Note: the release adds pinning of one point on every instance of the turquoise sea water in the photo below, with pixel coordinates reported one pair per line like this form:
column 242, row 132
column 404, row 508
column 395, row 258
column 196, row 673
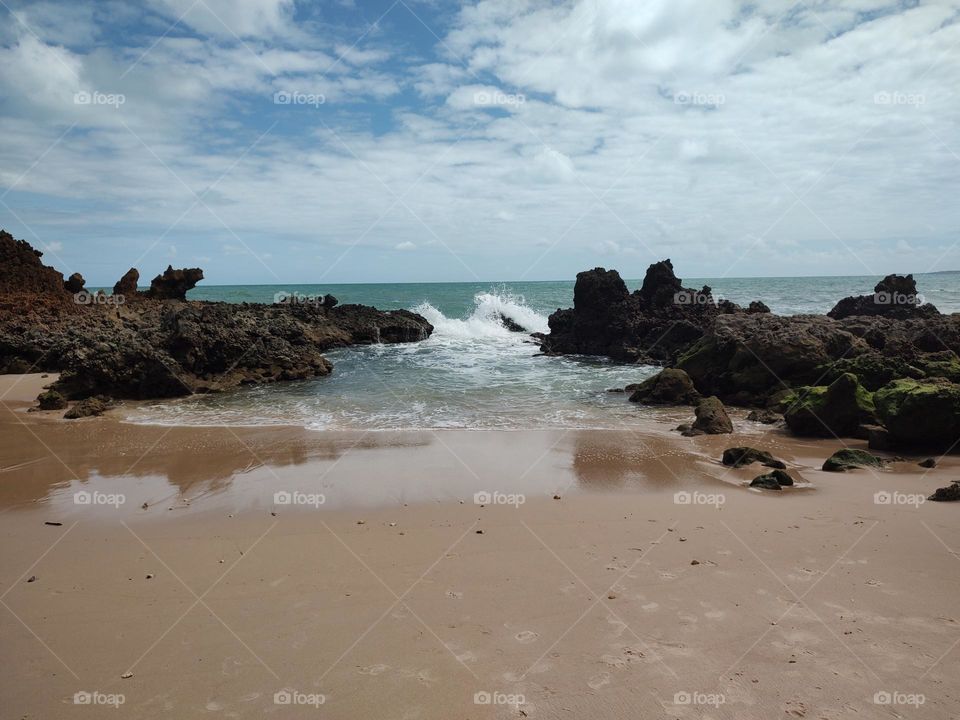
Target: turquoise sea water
column 473, row 373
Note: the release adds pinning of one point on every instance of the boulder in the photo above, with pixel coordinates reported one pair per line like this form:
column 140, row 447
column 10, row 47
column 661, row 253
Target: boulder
column 849, row 459
column 329, row 301
column 89, row 407
column 878, row 437
column 738, row 457
column 712, row 418
column 127, row 285
column 951, row 493
column 838, row 409
column 920, row 412
column 928, row 463
column 773, row 480
column 51, row 400
column 668, row 387
column 74, row 283
column 174, row 284
column 757, row 307
column 894, row 296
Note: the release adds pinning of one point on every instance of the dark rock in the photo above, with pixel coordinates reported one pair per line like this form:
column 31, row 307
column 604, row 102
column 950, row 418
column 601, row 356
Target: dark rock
column 712, row 418
column 835, row 410
column 757, row 307
column 22, row 272
column 849, row 459
column 767, row 417
column 738, row 457
column 920, row 412
column 174, row 284
column 87, row 408
column 74, row 283
column 668, row 387
column 894, row 296
column 329, row 301
column 951, row 493
column 51, row 400
column 928, row 463
column 878, row 437
column 127, row 285
column 510, row 324
column 773, row 480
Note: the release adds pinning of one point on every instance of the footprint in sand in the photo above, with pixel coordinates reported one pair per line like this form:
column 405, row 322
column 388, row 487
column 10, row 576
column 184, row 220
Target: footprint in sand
column 373, row 669
column 598, row 681
column 454, row 595
column 650, row 606
column 527, row 636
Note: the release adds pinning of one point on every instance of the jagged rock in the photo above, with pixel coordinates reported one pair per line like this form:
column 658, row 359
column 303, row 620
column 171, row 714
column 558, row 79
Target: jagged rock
column 652, row 324
column 174, row 284
column 920, row 412
column 712, row 418
column 849, row 459
column 738, row 457
column 87, row 408
column 21, row 271
column 74, row 283
column 767, row 417
column 157, row 348
column 667, row 387
column 757, row 307
column 951, row 493
column 825, row 411
column 772, row 480
column 329, row 301
column 51, row 400
column 510, row 324
column 894, row 296
column 127, row 285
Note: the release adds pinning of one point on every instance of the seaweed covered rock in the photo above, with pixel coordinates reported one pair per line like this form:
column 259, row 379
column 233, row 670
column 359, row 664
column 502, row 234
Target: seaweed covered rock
column 668, row 387
column 838, row 409
column 90, row 407
column 51, row 400
column 920, row 412
column 850, row 459
column 773, row 480
column 738, row 457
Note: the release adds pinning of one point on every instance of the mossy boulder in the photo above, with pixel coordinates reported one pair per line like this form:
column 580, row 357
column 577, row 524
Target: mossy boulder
column 872, row 369
column 849, row 459
column 668, row 387
column 51, row 400
column 773, row 480
column 741, row 456
column 943, row 364
column 920, row 412
column 91, row 407
column 837, row 409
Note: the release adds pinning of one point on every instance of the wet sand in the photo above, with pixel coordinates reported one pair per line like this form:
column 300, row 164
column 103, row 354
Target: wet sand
column 658, row 585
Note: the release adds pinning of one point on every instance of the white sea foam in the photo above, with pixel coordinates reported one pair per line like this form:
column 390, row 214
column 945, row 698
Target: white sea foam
column 484, row 321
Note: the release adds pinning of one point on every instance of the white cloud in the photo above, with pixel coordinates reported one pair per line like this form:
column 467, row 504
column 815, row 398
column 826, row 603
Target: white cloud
column 405, row 245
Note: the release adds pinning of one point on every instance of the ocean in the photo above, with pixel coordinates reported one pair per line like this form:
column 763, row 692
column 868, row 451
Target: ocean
column 473, row 373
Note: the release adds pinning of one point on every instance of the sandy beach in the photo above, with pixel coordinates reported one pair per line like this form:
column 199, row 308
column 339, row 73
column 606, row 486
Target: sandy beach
column 231, row 572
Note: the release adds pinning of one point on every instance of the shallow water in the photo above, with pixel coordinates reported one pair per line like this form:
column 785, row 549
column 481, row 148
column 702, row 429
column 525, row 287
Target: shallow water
column 472, row 372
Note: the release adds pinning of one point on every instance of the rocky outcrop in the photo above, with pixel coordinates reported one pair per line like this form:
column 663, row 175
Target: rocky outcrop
column 127, row 285
column 920, row 412
column 651, row 324
column 951, row 493
column 836, row 410
column 174, row 284
column 668, row 387
column 21, row 271
column 849, row 459
column 51, row 400
column 156, row 348
column 91, row 407
column 895, row 296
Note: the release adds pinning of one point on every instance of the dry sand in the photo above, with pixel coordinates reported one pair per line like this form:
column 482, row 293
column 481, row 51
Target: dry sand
column 399, row 597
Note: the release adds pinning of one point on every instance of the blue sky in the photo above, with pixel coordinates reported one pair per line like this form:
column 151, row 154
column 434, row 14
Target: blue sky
column 277, row 141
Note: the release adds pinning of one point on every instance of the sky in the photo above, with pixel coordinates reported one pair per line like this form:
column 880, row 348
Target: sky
column 284, row 141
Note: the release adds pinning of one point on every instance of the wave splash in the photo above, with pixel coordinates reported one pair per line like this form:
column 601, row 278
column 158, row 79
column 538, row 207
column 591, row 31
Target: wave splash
column 485, row 322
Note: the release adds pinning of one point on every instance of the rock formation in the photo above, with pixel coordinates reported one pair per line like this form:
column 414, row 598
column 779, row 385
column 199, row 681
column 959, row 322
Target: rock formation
column 174, row 284
column 895, row 296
